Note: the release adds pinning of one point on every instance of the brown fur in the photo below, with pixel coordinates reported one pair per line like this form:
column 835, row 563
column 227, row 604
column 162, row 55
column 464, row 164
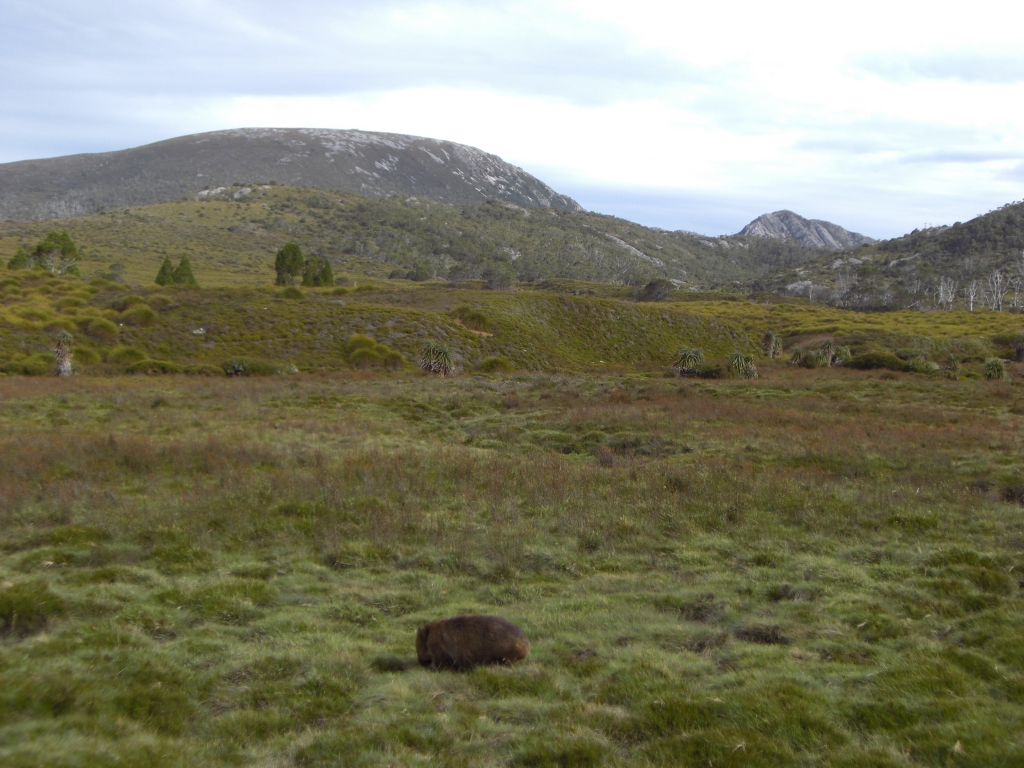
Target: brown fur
column 463, row 642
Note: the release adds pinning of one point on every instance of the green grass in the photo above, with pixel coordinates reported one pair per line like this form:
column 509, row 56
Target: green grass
column 818, row 567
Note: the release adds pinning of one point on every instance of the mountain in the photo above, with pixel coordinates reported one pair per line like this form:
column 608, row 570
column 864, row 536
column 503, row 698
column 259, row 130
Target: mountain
column 962, row 265
column 371, row 164
column 786, row 225
column 232, row 234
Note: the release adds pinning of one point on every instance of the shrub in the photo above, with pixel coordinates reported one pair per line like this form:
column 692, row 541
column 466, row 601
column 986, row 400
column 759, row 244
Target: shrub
column 496, row 365
column 995, row 370
column 656, row 290
column 20, row 260
column 473, row 319
column 436, row 357
column 203, row 369
column 363, row 352
column 871, row 360
column 139, row 314
column 291, row 292
column 1018, row 347
column 98, row 328
column 87, row 356
column 125, row 355
column 37, row 365
column 127, row 301
column 288, row 264
column 26, row 607
column 317, row 273
column 153, row 367
column 499, row 277
column 243, row 366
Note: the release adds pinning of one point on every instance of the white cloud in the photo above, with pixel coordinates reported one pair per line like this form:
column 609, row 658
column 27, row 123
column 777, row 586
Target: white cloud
column 879, row 116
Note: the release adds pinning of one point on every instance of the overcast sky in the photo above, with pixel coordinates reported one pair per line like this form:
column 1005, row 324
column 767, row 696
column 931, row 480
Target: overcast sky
column 881, row 117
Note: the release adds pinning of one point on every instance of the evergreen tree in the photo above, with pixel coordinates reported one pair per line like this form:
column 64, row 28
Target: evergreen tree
column 317, row 273
column 166, row 274
column 57, row 253
column 183, row 274
column 20, row 260
column 289, row 264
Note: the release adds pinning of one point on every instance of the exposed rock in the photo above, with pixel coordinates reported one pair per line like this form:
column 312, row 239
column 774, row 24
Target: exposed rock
column 786, row 225
column 374, row 164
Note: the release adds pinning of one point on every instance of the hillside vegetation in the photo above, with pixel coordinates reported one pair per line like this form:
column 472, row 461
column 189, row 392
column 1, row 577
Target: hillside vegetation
column 977, row 263
column 231, row 239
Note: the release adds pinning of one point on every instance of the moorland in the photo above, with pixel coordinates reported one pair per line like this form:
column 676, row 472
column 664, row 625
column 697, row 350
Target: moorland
column 218, row 539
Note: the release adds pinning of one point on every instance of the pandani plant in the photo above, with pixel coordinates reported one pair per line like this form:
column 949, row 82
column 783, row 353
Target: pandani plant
column 742, row 365
column 436, row 358
column 687, row 360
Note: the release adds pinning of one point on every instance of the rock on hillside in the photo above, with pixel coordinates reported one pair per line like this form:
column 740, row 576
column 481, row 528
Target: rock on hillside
column 786, row 225
column 373, row 164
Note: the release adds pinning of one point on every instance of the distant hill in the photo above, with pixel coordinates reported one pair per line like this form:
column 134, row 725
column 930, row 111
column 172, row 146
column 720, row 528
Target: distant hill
column 925, row 269
column 232, row 234
column 371, row 164
column 786, row 225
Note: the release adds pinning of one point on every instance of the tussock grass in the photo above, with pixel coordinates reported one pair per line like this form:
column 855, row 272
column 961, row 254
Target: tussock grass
column 815, row 567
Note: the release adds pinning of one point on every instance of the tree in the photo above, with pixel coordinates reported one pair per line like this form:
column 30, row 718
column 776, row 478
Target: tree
column 288, row 264
column 971, row 293
column 499, row 277
column 317, row 273
column 62, row 353
column 20, row 260
column 166, row 274
column 57, row 253
column 183, row 274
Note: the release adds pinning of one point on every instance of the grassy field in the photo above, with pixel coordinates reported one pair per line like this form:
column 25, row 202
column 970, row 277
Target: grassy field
column 818, row 567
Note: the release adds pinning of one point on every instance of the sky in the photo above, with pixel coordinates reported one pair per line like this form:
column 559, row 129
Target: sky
column 879, row 116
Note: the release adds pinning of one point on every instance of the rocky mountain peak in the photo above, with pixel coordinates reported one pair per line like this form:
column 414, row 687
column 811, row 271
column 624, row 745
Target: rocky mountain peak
column 786, row 225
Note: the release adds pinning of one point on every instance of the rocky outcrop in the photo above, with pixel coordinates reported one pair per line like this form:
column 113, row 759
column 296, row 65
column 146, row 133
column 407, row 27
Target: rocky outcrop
column 373, row 164
column 786, row 225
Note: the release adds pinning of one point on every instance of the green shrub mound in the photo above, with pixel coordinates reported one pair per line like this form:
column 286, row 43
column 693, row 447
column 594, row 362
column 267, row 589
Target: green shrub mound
column 141, row 315
column 496, row 365
column 245, row 366
column 875, row 359
column 291, row 292
column 364, row 352
column 154, row 367
column 35, row 365
column 87, row 356
column 473, row 319
column 99, row 329
column 204, row 370
column 125, row 355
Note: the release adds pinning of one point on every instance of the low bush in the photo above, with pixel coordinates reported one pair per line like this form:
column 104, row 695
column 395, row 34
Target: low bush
column 98, row 329
column 203, row 370
column 86, row 356
column 871, row 360
column 473, row 319
column 495, row 365
column 244, row 366
column 291, row 292
column 125, row 355
column 36, row 365
column 153, row 367
column 139, row 314
column 362, row 351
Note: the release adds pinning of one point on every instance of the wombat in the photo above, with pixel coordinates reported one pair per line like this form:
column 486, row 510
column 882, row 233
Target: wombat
column 462, row 642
